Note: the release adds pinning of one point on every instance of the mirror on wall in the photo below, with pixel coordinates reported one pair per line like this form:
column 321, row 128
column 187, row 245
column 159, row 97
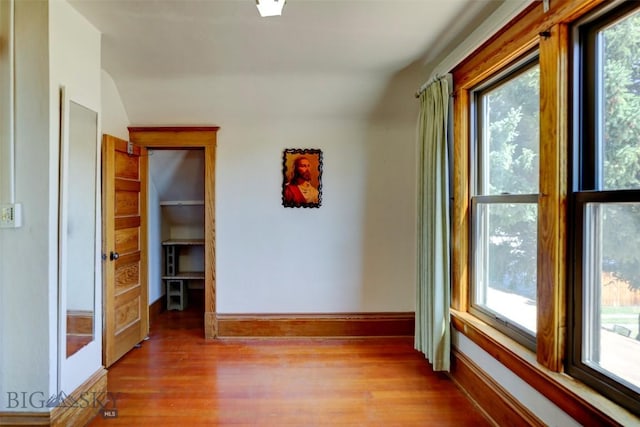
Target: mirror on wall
column 78, row 191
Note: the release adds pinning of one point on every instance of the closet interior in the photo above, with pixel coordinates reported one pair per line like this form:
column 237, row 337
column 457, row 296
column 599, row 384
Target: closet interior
column 176, row 227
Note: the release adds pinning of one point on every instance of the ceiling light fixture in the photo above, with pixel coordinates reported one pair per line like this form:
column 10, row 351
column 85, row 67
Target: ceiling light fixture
column 270, row 7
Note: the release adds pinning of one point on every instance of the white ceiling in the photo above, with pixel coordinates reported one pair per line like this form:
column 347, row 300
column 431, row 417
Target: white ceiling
column 211, row 61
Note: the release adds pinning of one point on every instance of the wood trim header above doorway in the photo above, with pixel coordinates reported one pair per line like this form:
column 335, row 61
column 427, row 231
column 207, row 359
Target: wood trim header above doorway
column 174, row 137
column 184, row 138
column 173, row 128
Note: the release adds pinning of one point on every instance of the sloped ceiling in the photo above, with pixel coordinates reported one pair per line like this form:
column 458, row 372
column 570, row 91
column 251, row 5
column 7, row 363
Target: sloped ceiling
column 217, row 62
column 177, row 176
column 181, row 62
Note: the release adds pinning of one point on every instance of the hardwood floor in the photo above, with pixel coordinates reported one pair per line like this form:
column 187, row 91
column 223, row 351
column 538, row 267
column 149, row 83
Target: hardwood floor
column 178, row 378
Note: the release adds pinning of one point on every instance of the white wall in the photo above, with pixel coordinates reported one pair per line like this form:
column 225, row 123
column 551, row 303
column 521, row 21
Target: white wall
column 54, row 46
column 74, row 46
column 27, row 315
column 6, row 101
column 114, row 115
column 356, row 253
column 154, row 258
column 6, row 87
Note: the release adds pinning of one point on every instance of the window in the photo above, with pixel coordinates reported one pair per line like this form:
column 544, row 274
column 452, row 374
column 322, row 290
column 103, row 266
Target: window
column 605, row 202
column 504, row 202
column 586, row 203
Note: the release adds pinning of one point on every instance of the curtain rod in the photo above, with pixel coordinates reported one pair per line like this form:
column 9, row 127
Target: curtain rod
column 498, row 19
column 428, row 83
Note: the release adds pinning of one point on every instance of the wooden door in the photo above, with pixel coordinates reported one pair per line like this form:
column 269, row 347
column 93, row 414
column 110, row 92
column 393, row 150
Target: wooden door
column 124, row 205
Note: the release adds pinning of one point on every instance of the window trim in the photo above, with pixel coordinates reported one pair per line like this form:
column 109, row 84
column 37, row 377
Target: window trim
column 480, row 194
column 546, row 33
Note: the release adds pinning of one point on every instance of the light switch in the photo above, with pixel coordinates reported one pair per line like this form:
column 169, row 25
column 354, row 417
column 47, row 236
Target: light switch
column 10, row 215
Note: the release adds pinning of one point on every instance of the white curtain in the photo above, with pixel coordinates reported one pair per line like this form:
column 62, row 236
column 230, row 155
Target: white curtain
column 432, row 335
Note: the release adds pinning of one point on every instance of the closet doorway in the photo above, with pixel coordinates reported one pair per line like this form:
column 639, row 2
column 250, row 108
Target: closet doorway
column 199, row 242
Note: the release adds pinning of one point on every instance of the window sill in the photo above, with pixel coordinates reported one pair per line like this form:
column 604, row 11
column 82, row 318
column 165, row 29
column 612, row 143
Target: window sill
column 576, row 399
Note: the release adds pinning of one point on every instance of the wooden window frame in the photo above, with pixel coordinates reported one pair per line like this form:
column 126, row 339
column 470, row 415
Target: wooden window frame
column 548, row 32
column 585, row 190
column 480, row 196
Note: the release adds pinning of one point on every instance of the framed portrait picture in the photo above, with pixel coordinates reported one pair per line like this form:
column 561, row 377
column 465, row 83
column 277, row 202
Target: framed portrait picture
column 302, row 178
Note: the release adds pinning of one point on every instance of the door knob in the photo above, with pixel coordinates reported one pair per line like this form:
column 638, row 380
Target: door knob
column 114, row 255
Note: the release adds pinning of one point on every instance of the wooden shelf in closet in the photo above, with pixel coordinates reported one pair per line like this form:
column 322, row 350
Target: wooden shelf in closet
column 175, row 279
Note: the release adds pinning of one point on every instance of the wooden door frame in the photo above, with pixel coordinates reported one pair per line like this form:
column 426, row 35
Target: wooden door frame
column 195, row 138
